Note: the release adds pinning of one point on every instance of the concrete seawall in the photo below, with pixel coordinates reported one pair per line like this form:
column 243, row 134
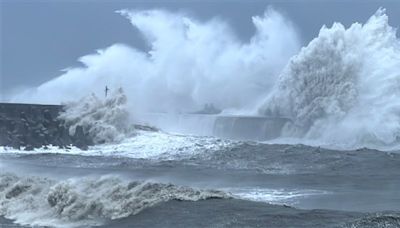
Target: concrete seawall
column 256, row 128
column 249, row 127
column 31, row 126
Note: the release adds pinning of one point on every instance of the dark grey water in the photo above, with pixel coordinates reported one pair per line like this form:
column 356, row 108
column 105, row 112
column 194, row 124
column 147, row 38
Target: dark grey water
column 307, row 186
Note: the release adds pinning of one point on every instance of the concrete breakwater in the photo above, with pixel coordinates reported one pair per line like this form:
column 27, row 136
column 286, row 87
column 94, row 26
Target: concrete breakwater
column 254, row 128
column 30, row 126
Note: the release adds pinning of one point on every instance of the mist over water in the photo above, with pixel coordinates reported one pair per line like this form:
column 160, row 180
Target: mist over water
column 342, row 88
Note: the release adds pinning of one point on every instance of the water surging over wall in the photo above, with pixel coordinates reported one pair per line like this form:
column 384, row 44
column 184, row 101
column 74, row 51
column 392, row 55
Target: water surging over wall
column 104, row 121
column 344, row 87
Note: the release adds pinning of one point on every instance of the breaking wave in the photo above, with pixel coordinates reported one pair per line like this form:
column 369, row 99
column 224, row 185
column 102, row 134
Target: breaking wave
column 104, row 121
column 74, row 202
column 344, row 87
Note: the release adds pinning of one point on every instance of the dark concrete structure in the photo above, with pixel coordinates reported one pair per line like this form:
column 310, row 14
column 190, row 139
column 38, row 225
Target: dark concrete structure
column 32, row 126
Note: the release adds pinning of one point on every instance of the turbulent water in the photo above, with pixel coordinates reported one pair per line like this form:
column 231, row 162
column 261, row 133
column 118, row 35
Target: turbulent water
column 85, row 201
column 340, row 91
column 162, row 180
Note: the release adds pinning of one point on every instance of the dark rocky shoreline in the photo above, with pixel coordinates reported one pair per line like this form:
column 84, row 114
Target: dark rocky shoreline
column 30, row 126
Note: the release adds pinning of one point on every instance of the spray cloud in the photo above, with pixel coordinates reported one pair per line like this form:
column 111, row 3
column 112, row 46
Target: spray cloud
column 344, row 87
column 190, row 63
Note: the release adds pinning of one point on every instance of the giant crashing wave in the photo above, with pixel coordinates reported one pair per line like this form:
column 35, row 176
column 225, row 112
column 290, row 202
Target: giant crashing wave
column 85, row 201
column 344, row 87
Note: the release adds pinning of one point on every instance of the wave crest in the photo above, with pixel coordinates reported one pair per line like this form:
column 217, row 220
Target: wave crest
column 85, row 201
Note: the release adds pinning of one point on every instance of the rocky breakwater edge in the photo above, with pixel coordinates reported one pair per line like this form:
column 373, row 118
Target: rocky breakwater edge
column 80, row 124
column 29, row 126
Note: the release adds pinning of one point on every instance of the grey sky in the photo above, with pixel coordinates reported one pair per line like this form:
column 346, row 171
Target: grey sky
column 39, row 38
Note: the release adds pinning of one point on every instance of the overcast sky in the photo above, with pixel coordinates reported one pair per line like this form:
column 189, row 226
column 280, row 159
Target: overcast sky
column 40, row 38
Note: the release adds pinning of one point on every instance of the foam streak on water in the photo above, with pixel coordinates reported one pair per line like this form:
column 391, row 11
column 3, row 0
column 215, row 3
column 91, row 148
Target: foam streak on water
column 274, row 196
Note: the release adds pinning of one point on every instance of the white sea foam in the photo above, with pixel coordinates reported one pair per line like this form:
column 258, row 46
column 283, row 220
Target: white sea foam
column 273, row 196
column 82, row 202
column 146, row 144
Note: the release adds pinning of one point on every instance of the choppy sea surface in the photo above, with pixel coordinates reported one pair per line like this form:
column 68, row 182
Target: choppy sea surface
column 163, row 180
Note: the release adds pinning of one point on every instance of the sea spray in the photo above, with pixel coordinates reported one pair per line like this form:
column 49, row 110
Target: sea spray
column 103, row 120
column 190, row 63
column 344, row 87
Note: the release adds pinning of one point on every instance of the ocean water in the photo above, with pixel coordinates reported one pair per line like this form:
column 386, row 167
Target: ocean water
column 336, row 163
column 158, row 179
